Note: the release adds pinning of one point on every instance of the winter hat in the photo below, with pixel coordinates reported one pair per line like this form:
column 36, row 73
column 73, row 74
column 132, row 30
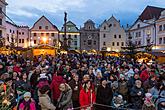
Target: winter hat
column 147, row 95
column 27, row 94
column 102, row 79
column 114, row 85
column 122, row 76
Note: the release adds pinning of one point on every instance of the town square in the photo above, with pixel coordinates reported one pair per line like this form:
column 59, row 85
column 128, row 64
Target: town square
column 82, row 55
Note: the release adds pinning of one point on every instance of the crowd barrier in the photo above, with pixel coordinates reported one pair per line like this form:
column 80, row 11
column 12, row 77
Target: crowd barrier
column 107, row 106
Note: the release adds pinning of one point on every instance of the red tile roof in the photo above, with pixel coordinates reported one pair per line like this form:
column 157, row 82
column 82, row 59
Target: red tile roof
column 151, row 12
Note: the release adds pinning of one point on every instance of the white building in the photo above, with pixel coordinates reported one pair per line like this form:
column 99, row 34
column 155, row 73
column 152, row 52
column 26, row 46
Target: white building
column 3, row 5
column 72, row 34
column 160, row 29
column 112, row 35
column 143, row 31
column 44, row 32
column 14, row 32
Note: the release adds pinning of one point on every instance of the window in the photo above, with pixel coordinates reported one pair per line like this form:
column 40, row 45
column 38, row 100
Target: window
column 19, row 40
column 34, row 34
column 12, row 39
column 10, row 31
column 89, row 27
column 75, row 36
column 117, row 43
column 76, row 48
column 0, row 33
column 114, row 36
column 89, row 42
column 160, row 40
column 19, row 33
column 69, row 36
column 138, row 26
column 0, row 21
column 84, row 42
column 104, row 43
column 94, row 43
column 42, row 34
column 122, row 43
column 160, row 28
column 75, row 42
column 114, row 25
column 46, row 27
column 113, row 43
column 119, row 36
column 1, row 10
column 40, row 27
column 164, row 40
column 164, row 27
column 35, row 41
column 104, row 35
column 13, row 32
column 22, row 33
column 110, row 25
column 22, row 40
column 47, row 34
column 7, row 37
column 139, row 43
column 52, row 34
column 63, row 36
column 138, row 34
column 104, row 27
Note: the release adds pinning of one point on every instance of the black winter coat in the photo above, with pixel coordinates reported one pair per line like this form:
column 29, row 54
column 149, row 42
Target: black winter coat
column 137, row 100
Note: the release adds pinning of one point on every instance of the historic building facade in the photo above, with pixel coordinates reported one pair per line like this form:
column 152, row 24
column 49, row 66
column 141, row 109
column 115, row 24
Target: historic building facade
column 89, row 36
column 160, row 29
column 44, row 32
column 3, row 5
column 72, row 35
column 17, row 36
column 112, row 35
column 144, row 31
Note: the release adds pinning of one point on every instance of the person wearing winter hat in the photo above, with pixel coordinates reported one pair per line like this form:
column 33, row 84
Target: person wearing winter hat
column 44, row 99
column 123, row 87
column 148, row 103
column 104, row 95
column 28, row 103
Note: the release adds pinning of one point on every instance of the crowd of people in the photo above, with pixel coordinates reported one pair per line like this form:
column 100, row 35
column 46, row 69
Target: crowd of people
column 81, row 82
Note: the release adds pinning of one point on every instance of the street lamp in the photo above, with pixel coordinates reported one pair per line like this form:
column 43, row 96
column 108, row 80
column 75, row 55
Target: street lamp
column 44, row 40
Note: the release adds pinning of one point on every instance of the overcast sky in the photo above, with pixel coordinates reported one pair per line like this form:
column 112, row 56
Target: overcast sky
column 27, row 12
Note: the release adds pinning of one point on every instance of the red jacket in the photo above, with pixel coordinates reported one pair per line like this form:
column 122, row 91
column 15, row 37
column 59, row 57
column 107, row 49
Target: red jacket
column 144, row 75
column 16, row 69
column 85, row 98
column 57, row 80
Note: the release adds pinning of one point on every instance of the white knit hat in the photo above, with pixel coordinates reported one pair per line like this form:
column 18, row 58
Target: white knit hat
column 27, row 94
column 148, row 94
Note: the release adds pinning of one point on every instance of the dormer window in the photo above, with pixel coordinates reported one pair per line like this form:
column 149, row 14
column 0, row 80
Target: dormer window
column 110, row 25
column 104, row 27
column 40, row 27
column 138, row 26
column 89, row 27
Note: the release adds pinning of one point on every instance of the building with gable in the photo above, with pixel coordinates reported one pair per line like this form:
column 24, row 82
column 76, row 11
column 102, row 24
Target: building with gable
column 144, row 31
column 72, row 35
column 112, row 35
column 89, row 36
column 17, row 36
column 3, row 5
column 160, row 30
column 44, row 32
